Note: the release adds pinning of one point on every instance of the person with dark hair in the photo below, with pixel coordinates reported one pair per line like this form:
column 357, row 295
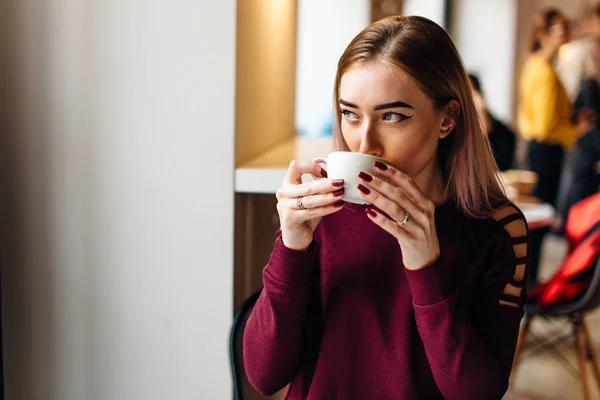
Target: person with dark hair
column 501, row 137
column 417, row 294
column 544, row 117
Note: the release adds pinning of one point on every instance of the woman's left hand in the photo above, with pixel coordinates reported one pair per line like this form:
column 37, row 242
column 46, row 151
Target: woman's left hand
column 411, row 215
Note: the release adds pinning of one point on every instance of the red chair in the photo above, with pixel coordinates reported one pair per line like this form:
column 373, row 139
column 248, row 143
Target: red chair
column 572, row 292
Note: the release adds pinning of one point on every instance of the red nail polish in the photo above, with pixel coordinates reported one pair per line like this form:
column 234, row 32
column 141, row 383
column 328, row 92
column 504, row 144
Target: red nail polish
column 338, row 182
column 323, row 173
column 371, row 213
column 380, row 165
column 338, row 203
column 338, row 192
column 363, row 189
column 366, row 177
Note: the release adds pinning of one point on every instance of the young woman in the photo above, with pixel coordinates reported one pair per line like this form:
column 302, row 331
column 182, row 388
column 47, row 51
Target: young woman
column 361, row 302
column 544, row 116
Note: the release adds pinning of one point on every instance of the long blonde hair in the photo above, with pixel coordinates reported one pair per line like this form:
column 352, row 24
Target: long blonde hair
column 424, row 51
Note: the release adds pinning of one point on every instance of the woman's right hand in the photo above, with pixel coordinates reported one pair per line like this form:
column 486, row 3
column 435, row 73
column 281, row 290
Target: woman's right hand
column 319, row 198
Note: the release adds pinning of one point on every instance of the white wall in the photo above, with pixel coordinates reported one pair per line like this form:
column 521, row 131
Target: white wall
column 116, row 189
column 325, row 28
column 432, row 9
column 485, row 34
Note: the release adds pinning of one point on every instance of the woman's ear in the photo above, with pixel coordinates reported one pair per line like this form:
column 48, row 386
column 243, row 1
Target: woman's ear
column 449, row 117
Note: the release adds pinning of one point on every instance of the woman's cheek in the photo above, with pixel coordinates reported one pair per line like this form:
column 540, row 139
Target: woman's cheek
column 408, row 140
column 350, row 136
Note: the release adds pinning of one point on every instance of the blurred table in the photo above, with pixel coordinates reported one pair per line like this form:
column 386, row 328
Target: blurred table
column 518, row 185
column 538, row 215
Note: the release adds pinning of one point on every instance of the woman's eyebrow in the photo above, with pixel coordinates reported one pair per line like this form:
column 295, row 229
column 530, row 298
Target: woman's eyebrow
column 347, row 103
column 395, row 104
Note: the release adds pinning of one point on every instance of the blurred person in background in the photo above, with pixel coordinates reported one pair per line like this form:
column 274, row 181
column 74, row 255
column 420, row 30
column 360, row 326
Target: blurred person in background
column 576, row 59
column 501, row 137
column 581, row 177
column 544, row 116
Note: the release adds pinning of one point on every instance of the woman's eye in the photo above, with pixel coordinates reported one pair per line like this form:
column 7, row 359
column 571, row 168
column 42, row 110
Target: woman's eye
column 349, row 114
column 393, row 117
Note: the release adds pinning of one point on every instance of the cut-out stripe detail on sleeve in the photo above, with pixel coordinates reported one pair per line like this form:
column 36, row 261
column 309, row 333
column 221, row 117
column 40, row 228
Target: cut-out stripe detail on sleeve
column 514, row 224
column 520, row 240
column 511, row 218
column 512, row 290
column 522, row 260
column 520, row 250
column 516, row 228
column 504, row 212
column 509, row 303
column 519, row 273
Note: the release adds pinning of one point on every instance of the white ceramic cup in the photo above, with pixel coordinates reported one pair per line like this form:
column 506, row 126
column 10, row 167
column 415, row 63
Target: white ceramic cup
column 347, row 165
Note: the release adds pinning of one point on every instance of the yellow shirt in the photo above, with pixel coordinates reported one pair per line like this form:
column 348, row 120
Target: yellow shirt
column 544, row 109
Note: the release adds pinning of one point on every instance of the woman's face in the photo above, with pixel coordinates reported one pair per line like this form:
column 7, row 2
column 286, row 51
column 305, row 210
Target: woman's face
column 385, row 114
column 559, row 32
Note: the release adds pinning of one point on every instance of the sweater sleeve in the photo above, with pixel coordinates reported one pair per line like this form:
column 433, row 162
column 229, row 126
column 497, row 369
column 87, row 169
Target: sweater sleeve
column 470, row 344
column 273, row 335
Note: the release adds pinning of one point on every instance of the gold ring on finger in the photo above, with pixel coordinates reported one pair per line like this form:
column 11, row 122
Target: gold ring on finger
column 405, row 220
column 299, row 203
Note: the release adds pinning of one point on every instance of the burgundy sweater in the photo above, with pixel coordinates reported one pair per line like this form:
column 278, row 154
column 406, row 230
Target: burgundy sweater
column 346, row 320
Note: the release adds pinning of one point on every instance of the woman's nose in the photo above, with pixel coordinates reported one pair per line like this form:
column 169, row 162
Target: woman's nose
column 369, row 142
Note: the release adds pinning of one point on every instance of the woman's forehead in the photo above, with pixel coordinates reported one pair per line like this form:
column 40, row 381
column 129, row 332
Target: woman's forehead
column 378, row 82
